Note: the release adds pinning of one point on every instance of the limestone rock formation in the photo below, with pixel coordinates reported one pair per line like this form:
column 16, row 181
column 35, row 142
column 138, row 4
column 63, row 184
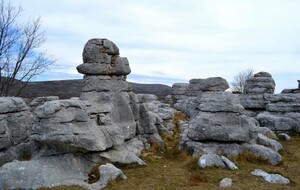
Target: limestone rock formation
column 179, row 91
column 209, row 84
column 101, row 57
column 218, row 125
column 182, row 90
column 260, row 83
column 64, row 139
column 282, row 112
column 16, row 122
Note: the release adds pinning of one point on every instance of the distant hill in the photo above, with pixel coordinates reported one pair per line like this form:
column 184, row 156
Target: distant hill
column 66, row 89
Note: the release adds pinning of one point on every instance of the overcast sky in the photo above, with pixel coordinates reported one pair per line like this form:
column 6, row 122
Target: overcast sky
column 173, row 41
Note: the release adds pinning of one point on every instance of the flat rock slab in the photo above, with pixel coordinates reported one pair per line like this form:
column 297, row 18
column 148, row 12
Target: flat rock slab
column 271, row 178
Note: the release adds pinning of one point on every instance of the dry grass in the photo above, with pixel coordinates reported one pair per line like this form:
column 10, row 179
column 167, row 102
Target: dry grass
column 183, row 173
column 170, row 169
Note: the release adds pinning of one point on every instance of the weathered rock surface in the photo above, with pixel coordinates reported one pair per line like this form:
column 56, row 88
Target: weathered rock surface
column 108, row 173
column 209, row 160
column 44, row 172
column 203, row 85
column 261, row 151
column 16, row 122
column 260, row 83
column 65, row 125
column 229, row 164
column 179, row 91
column 226, row 127
column 126, row 153
column 271, row 178
column 263, row 140
column 276, row 122
column 100, row 57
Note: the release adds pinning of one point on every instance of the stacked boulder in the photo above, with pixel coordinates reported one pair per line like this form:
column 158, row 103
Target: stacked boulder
column 64, row 139
column 218, row 125
column 181, row 91
column 278, row 112
column 282, row 112
column 260, row 83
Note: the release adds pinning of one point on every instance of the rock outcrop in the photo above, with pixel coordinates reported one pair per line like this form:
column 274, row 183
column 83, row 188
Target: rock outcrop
column 278, row 112
column 66, row 138
column 218, row 125
column 16, row 123
column 181, row 91
column 260, row 83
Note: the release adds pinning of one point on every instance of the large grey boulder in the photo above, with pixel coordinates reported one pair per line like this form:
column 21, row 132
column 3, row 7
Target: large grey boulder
column 276, row 122
column 219, row 102
column 202, row 85
column 260, row 83
column 221, row 126
column 65, row 125
column 44, row 172
column 49, row 172
column 100, row 57
column 271, row 178
column 16, row 122
column 261, row 151
column 96, row 47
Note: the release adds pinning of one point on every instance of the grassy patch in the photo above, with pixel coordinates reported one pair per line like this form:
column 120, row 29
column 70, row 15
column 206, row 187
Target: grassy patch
column 177, row 170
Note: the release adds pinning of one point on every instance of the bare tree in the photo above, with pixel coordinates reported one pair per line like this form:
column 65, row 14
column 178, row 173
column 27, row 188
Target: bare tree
column 20, row 59
column 239, row 80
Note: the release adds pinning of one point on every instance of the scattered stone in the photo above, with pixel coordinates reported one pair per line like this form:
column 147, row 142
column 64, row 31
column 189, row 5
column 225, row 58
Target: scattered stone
column 230, row 165
column 225, row 182
column 270, row 178
column 108, row 173
column 126, row 153
column 210, row 160
column 284, row 137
